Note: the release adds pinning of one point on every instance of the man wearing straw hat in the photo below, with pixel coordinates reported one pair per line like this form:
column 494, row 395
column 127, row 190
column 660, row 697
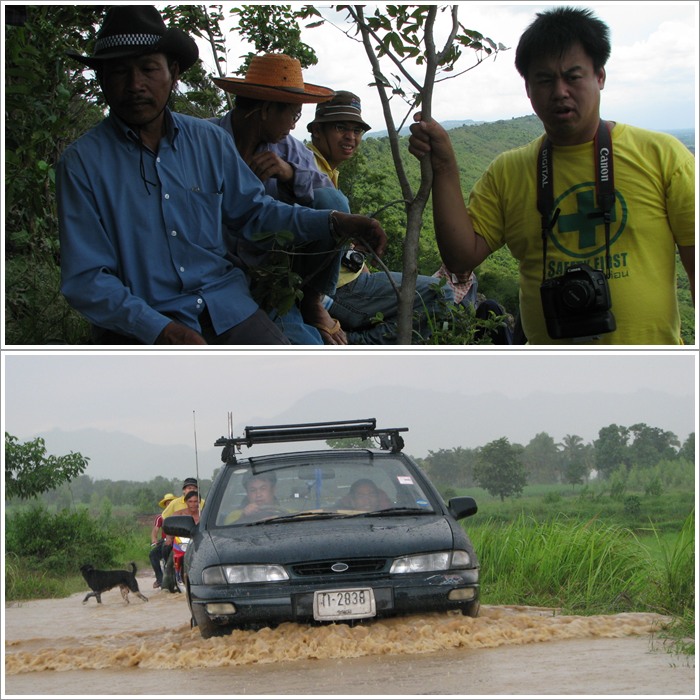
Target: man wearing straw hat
column 143, row 196
column 266, row 109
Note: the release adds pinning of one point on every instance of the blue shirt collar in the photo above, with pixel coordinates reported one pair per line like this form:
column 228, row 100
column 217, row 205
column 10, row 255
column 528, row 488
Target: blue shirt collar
column 121, row 127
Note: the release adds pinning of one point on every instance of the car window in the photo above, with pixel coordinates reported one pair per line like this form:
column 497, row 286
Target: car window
column 316, row 484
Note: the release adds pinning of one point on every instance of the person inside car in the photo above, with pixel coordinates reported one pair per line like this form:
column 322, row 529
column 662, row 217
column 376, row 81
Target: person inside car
column 365, row 495
column 260, row 501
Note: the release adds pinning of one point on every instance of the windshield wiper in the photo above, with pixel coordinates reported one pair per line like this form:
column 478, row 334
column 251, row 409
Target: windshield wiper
column 304, row 515
column 394, row 511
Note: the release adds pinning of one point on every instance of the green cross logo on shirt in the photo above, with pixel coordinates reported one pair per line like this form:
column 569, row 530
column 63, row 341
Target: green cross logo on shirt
column 587, row 220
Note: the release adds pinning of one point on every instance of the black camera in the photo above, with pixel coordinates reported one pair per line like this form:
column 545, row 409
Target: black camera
column 577, row 304
column 353, row 260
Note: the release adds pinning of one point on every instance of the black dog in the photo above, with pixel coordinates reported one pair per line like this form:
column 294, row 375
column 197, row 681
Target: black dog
column 101, row 581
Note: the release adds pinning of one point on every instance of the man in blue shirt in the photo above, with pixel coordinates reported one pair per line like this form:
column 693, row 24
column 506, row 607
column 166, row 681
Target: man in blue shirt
column 142, row 199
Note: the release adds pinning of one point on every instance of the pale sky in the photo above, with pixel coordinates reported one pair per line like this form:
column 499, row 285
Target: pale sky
column 651, row 75
column 158, row 397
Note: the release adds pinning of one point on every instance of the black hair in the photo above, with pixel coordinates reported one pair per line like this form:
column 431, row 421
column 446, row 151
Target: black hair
column 555, row 31
column 270, row 477
column 246, row 104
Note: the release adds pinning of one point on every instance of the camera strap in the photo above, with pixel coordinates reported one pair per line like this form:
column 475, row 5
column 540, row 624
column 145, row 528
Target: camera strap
column 605, row 190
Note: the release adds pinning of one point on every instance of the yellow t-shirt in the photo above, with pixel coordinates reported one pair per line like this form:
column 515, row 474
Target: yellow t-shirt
column 345, row 275
column 178, row 504
column 654, row 177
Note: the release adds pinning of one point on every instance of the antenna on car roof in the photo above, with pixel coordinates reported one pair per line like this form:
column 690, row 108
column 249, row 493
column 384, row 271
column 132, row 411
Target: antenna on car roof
column 228, row 454
column 196, row 457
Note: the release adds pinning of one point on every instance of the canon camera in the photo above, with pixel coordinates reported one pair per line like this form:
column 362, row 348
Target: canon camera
column 353, row 260
column 577, row 304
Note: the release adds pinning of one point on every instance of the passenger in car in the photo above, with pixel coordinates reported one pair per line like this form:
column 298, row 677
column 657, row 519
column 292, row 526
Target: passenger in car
column 365, row 495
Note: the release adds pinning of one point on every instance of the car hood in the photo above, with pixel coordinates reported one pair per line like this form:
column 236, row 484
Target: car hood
column 280, row 543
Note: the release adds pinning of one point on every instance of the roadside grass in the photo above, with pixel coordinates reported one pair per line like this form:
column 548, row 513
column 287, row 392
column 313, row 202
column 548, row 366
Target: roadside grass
column 588, row 567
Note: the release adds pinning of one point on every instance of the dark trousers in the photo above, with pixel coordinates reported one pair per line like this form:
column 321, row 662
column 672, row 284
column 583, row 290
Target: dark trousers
column 257, row 329
column 155, row 556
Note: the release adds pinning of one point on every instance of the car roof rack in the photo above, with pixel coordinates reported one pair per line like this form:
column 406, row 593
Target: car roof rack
column 389, row 438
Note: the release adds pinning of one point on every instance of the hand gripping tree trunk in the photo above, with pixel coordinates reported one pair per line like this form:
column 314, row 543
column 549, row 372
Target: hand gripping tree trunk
column 398, row 33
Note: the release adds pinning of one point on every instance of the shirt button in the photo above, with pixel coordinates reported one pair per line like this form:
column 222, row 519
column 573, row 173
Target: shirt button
column 182, row 269
column 173, row 233
column 200, row 302
column 167, row 196
column 158, row 159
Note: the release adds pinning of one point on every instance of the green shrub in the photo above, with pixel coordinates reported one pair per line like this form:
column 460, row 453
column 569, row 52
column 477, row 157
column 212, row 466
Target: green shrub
column 633, row 506
column 61, row 542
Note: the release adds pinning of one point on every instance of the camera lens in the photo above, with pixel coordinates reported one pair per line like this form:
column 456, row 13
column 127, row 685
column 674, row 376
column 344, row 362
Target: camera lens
column 577, row 294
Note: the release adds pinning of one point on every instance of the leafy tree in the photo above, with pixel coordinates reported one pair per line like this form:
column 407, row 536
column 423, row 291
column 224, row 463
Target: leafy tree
column 30, row 472
column 499, row 469
column 48, row 102
column 541, row 459
column 402, row 35
column 687, row 450
column 273, row 29
column 651, row 445
column 571, row 451
column 611, row 449
column 454, row 467
column 575, row 472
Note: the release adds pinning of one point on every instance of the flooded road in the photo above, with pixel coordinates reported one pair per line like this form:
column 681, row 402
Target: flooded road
column 62, row 647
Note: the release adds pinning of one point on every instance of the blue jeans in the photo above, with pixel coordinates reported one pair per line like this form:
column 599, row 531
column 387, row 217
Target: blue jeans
column 355, row 304
column 293, row 326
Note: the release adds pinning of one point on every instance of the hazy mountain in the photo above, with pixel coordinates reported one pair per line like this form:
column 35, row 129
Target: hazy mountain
column 449, row 124
column 121, row 456
column 436, row 419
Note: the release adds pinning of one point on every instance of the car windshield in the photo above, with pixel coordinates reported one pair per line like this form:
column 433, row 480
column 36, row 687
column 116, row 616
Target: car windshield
column 309, row 486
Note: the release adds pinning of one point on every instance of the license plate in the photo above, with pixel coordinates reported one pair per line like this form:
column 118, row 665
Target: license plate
column 344, row 604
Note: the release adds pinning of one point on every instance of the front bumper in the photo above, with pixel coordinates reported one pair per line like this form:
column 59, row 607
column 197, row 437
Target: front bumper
column 292, row 601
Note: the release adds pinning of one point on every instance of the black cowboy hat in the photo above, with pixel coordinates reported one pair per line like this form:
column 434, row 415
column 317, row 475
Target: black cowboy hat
column 135, row 30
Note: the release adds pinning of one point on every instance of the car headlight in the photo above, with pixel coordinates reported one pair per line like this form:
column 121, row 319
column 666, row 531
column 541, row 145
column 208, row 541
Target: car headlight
column 254, row 573
column 435, row 561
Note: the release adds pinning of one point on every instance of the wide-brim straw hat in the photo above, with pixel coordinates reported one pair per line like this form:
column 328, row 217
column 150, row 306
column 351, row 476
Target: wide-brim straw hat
column 135, row 30
column 275, row 78
column 343, row 107
column 166, row 499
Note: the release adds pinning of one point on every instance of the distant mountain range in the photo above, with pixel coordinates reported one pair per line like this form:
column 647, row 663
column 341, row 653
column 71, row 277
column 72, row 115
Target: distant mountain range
column 436, row 419
column 685, row 136
column 449, row 124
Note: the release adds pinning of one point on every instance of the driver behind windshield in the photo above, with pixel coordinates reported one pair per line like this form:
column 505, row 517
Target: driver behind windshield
column 260, row 500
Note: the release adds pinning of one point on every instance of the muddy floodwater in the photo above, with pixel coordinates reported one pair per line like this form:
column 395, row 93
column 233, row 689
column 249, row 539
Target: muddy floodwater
column 65, row 648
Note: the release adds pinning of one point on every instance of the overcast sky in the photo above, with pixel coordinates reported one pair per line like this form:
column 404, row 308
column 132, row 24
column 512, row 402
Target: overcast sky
column 158, row 397
column 651, row 75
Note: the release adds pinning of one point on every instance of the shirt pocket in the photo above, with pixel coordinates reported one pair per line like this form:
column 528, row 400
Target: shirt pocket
column 203, row 211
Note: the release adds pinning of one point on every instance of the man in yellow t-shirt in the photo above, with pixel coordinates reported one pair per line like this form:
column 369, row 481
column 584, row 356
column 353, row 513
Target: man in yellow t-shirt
column 562, row 57
column 189, row 484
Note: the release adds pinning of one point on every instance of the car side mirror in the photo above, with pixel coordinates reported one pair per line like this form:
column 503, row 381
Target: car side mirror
column 462, row 507
column 179, row 525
